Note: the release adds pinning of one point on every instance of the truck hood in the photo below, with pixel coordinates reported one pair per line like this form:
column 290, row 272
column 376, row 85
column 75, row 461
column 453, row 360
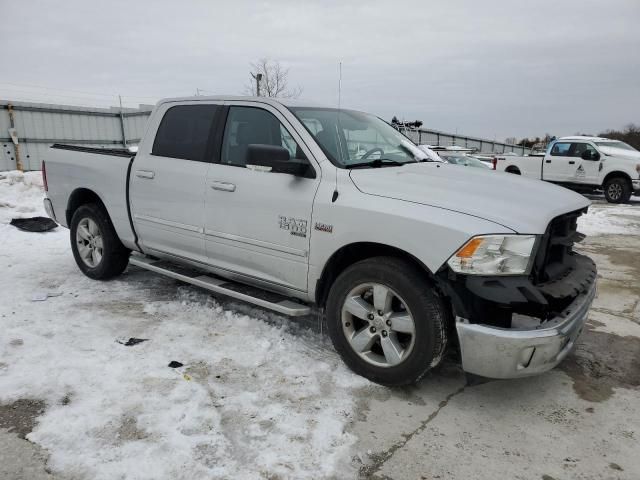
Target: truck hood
column 621, row 153
column 521, row 204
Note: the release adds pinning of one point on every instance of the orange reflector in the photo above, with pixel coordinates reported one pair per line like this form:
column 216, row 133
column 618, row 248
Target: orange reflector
column 470, row 248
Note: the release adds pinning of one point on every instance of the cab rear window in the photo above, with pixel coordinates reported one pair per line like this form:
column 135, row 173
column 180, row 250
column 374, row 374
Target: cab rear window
column 184, row 132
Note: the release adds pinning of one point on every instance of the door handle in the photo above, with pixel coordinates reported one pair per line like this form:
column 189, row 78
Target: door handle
column 547, row 161
column 223, row 186
column 145, row 174
column 571, row 162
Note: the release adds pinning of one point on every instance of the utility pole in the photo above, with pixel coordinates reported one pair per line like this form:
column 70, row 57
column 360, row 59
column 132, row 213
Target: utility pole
column 258, row 77
column 14, row 138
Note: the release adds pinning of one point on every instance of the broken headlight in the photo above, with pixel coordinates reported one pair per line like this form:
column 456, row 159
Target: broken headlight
column 495, row 255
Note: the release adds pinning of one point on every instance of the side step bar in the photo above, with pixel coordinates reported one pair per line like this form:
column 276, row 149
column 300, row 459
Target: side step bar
column 271, row 301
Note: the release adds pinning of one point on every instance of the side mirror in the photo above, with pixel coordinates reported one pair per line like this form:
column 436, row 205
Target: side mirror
column 277, row 160
column 590, row 155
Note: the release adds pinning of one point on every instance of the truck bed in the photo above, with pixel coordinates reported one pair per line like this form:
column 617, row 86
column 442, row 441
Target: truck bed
column 528, row 166
column 74, row 171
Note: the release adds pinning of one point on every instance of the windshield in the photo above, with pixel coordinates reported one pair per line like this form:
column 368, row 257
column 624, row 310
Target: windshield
column 616, row 144
column 352, row 138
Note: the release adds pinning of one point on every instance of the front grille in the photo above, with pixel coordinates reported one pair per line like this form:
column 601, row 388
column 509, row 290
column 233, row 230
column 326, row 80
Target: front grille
column 554, row 257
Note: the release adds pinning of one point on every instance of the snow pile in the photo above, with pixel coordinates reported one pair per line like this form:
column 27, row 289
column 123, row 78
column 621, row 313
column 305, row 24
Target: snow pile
column 254, row 399
column 20, row 195
column 609, row 219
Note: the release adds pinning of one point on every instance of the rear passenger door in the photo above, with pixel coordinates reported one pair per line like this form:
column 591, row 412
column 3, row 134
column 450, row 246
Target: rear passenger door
column 258, row 222
column 168, row 180
column 556, row 164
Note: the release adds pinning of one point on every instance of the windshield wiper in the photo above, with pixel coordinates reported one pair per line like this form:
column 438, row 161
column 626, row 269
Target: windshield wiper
column 377, row 163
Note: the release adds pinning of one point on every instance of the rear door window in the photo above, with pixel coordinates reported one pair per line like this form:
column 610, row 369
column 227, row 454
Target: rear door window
column 184, row 132
column 560, row 149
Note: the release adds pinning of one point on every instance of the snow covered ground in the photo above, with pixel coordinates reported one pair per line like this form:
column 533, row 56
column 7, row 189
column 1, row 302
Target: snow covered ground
column 253, row 399
column 611, row 219
column 258, row 397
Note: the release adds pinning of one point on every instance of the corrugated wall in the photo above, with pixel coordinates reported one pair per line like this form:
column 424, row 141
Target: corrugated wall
column 39, row 125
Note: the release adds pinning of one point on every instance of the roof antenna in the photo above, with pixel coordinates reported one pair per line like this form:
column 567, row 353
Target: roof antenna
column 339, row 83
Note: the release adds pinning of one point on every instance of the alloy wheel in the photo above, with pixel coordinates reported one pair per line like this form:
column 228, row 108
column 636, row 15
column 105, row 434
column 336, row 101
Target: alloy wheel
column 615, row 191
column 377, row 325
column 90, row 243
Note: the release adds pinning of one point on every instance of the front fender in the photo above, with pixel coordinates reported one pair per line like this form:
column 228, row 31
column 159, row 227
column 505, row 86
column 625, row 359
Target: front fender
column 429, row 234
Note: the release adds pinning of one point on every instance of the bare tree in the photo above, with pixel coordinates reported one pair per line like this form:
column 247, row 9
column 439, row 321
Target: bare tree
column 630, row 134
column 274, row 82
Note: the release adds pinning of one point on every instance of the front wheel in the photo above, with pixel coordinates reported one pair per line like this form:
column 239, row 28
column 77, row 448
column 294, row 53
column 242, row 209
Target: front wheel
column 617, row 190
column 96, row 246
column 386, row 321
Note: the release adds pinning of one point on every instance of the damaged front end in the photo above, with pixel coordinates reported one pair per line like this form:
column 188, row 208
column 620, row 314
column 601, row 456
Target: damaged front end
column 512, row 326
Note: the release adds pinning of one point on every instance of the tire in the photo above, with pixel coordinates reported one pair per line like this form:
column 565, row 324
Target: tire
column 513, row 170
column 617, row 190
column 412, row 295
column 92, row 231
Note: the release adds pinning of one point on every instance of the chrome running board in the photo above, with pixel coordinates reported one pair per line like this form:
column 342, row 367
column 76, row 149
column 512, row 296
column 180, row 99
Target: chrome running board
column 261, row 298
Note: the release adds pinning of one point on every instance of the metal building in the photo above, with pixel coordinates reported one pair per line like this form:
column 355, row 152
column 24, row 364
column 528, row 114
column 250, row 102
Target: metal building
column 27, row 130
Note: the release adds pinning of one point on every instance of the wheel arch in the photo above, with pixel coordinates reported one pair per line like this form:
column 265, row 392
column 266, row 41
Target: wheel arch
column 513, row 169
column 614, row 174
column 351, row 253
column 79, row 197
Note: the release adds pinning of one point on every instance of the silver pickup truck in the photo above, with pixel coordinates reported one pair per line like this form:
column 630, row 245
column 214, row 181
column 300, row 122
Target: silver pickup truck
column 301, row 209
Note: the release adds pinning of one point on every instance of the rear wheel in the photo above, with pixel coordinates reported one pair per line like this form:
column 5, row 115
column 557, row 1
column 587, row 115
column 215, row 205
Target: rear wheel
column 617, row 190
column 513, row 170
column 96, row 247
column 386, row 321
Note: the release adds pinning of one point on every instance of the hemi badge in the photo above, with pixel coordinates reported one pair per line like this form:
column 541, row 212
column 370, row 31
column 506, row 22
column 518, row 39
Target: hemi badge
column 323, row 227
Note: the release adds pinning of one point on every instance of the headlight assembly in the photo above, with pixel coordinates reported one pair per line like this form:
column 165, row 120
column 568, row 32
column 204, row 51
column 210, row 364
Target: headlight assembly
column 495, row 255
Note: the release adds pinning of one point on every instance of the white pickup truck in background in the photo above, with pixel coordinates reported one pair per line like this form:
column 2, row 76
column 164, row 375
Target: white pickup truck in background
column 583, row 164
column 303, row 209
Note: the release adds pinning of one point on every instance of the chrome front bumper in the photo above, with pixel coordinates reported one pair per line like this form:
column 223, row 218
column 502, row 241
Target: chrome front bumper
column 510, row 353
